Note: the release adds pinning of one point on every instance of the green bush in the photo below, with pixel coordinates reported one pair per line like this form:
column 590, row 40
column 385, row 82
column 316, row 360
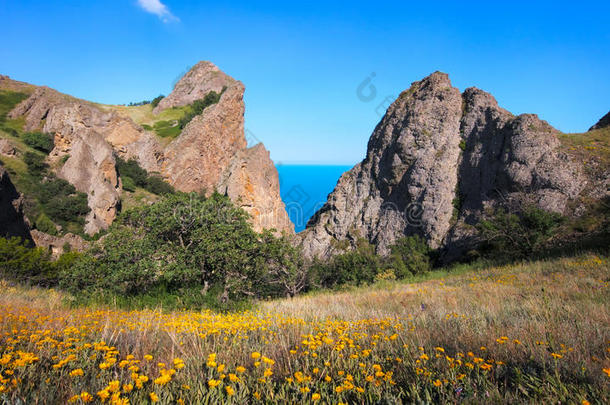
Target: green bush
column 518, row 235
column 131, row 168
column 355, row 267
column 410, row 256
column 157, row 185
column 182, row 240
column 39, row 141
column 22, row 263
column 140, row 178
column 128, row 184
column 44, row 224
column 36, row 163
column 61, row 201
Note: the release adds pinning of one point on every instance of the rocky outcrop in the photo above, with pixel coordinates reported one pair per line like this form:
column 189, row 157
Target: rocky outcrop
column 196, row 159
column 435, row 163
column 36, row 107
column 87, row 136
column 12, row 220
column 251, row 180
column 57, row 245
column 7, row 148
column 211, row 152
column 195, row 85
column 604, row 122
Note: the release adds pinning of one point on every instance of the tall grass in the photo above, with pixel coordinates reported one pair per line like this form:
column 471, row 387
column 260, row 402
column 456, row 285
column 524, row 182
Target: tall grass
column 534, row 332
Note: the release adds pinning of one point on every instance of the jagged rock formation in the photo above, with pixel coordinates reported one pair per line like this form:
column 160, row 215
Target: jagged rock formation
column 195, row 84
column 211, row 152
column 88, row 136
column 12, row 220
column 435, row 163
column 602, row 123
column 79, row 130
column 196, row 159
column 252, row 182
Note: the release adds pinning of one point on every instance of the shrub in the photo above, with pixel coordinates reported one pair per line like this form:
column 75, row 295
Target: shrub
column 61, row 201
column 20, row 262
column 156, row 101
column 131, row 168
column 285, row 272
column 44, row 224
column 518, row 234
column 139, row 177
column 36, row 163
column 354, row 267
column 128, row 184
column 157, row 185
column 39, row 141
column 410, row 256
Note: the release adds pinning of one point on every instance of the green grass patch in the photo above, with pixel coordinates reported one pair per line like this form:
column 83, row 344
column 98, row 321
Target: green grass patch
column 167, row 129
column 8, row 101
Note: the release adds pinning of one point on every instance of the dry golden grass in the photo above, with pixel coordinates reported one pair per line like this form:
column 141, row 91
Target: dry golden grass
column 537, row 332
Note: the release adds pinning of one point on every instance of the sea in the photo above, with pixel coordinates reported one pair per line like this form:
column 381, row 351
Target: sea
column 305, row 188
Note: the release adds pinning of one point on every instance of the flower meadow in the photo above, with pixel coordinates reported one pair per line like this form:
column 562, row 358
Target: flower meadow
column 534, row 332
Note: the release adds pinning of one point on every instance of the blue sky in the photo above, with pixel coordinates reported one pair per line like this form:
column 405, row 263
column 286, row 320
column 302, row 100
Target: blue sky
column 302, row 62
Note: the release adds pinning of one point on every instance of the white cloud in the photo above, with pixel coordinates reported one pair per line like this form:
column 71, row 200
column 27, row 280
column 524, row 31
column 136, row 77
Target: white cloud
column 159, row 9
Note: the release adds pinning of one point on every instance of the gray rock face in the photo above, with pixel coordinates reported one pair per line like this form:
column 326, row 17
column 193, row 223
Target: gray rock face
column 602, row 123
column 405, row 184
column 199, row 81
column 12, row 220
column 435, row 162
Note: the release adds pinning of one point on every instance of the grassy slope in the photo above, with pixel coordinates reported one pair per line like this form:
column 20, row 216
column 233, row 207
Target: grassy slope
column 592, row 148
column 428, row 341
column 165, row 121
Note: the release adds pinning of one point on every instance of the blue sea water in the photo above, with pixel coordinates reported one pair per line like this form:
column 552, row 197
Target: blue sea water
column 304, row 189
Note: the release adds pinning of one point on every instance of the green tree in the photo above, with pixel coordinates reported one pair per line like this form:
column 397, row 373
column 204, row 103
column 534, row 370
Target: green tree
column 285, row 271
column 182, row 241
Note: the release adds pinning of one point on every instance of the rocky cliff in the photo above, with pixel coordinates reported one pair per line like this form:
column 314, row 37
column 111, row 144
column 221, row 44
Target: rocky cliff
column 252, row 181
column 88, row 136
column 437, row 160
column 197, row 158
